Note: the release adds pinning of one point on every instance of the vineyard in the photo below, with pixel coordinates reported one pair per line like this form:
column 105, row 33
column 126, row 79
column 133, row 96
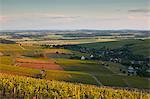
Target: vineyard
column 37, row 64
column 28, row 88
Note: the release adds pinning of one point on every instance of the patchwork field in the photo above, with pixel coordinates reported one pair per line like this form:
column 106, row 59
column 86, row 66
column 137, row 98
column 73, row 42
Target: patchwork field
column 37, row 64
column 28, row 60
column 107, row 76
column 7, row 66
column 68, row 76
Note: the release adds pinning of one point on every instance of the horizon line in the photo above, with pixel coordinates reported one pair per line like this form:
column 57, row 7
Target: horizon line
column 71, row 29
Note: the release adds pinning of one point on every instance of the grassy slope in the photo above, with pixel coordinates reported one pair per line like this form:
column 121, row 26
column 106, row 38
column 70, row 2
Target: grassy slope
column 108, row 76
column 6, row 60
column 62, row 42
column 83, row 66
column 16, row 49
column 75, row 70
column 7, row 67
column 136, row 46
column 124, row 81
column 5, row 47
column 78, row 71
column 51, row 74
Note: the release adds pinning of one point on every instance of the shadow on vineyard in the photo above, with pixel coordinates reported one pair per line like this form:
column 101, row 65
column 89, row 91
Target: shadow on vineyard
column 29, row 88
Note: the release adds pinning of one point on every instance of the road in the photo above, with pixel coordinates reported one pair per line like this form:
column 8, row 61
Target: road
column 97, row 80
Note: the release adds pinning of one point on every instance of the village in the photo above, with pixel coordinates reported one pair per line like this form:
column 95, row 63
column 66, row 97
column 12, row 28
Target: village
column 135, row 64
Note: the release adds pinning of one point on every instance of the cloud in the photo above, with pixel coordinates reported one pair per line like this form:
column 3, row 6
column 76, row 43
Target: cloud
column 37, row 20
column 42, row 16
column 139, row 10
column 60, row 21
column 132, row 17
column 48, row 16
column 57, row 16
column 38, row 17
column 3, row 19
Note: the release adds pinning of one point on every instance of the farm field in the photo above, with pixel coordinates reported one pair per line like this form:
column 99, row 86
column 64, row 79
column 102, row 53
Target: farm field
column 61, row 89
column 83, row 66
column 28, row 60
column 74, row 49
column 51, row 74
column 37, row 64
column 5, row 47
column 14, row 50
column 123, row 81
column 106, row 75
column 44, row 50
column 18, row 50
column 65, row 42
column 140, row 47
column 71, row 70
column 33, row 66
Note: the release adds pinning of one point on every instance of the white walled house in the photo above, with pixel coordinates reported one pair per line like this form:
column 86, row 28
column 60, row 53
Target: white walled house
column 131, row 71
column 83, row 58
column 91, row 56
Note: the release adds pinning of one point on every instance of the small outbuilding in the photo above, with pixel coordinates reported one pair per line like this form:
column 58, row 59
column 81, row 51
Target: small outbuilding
column 91, row 56
column 83, row 58
column 131, row 71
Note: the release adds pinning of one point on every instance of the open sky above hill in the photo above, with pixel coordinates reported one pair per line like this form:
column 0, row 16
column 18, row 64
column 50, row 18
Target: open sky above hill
column 74, row 14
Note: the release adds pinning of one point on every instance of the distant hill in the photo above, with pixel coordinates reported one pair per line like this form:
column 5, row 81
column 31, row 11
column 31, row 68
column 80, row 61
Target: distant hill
column 139, row 47
column 3, row 41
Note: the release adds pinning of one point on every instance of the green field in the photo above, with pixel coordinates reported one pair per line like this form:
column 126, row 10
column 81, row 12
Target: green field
column 14, row 50
column 7, row 66
column 17, row 50
column 139, row 47
column 75, row 70
column 52, row 37
column 65, row 42
column 82, row 66
column 108, row 76
column 51, row 74
column 123, row 81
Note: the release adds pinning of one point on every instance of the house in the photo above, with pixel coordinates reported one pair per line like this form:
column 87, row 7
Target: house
column 119, row 60
column 132, row 62
column 115, row 60
column 148, row 70
column 41, row 75
column 82, row 58
column 140, row 62
column 91, row 56
column 136, row 68
column 83, row 50
column 136, row 62
column 111, row 59
column 131, row 71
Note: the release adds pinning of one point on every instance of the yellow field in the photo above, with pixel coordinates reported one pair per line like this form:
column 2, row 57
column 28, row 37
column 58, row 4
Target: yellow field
column 65, row 42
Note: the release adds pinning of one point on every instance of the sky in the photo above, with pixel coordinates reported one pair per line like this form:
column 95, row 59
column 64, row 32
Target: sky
column 74, row 14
